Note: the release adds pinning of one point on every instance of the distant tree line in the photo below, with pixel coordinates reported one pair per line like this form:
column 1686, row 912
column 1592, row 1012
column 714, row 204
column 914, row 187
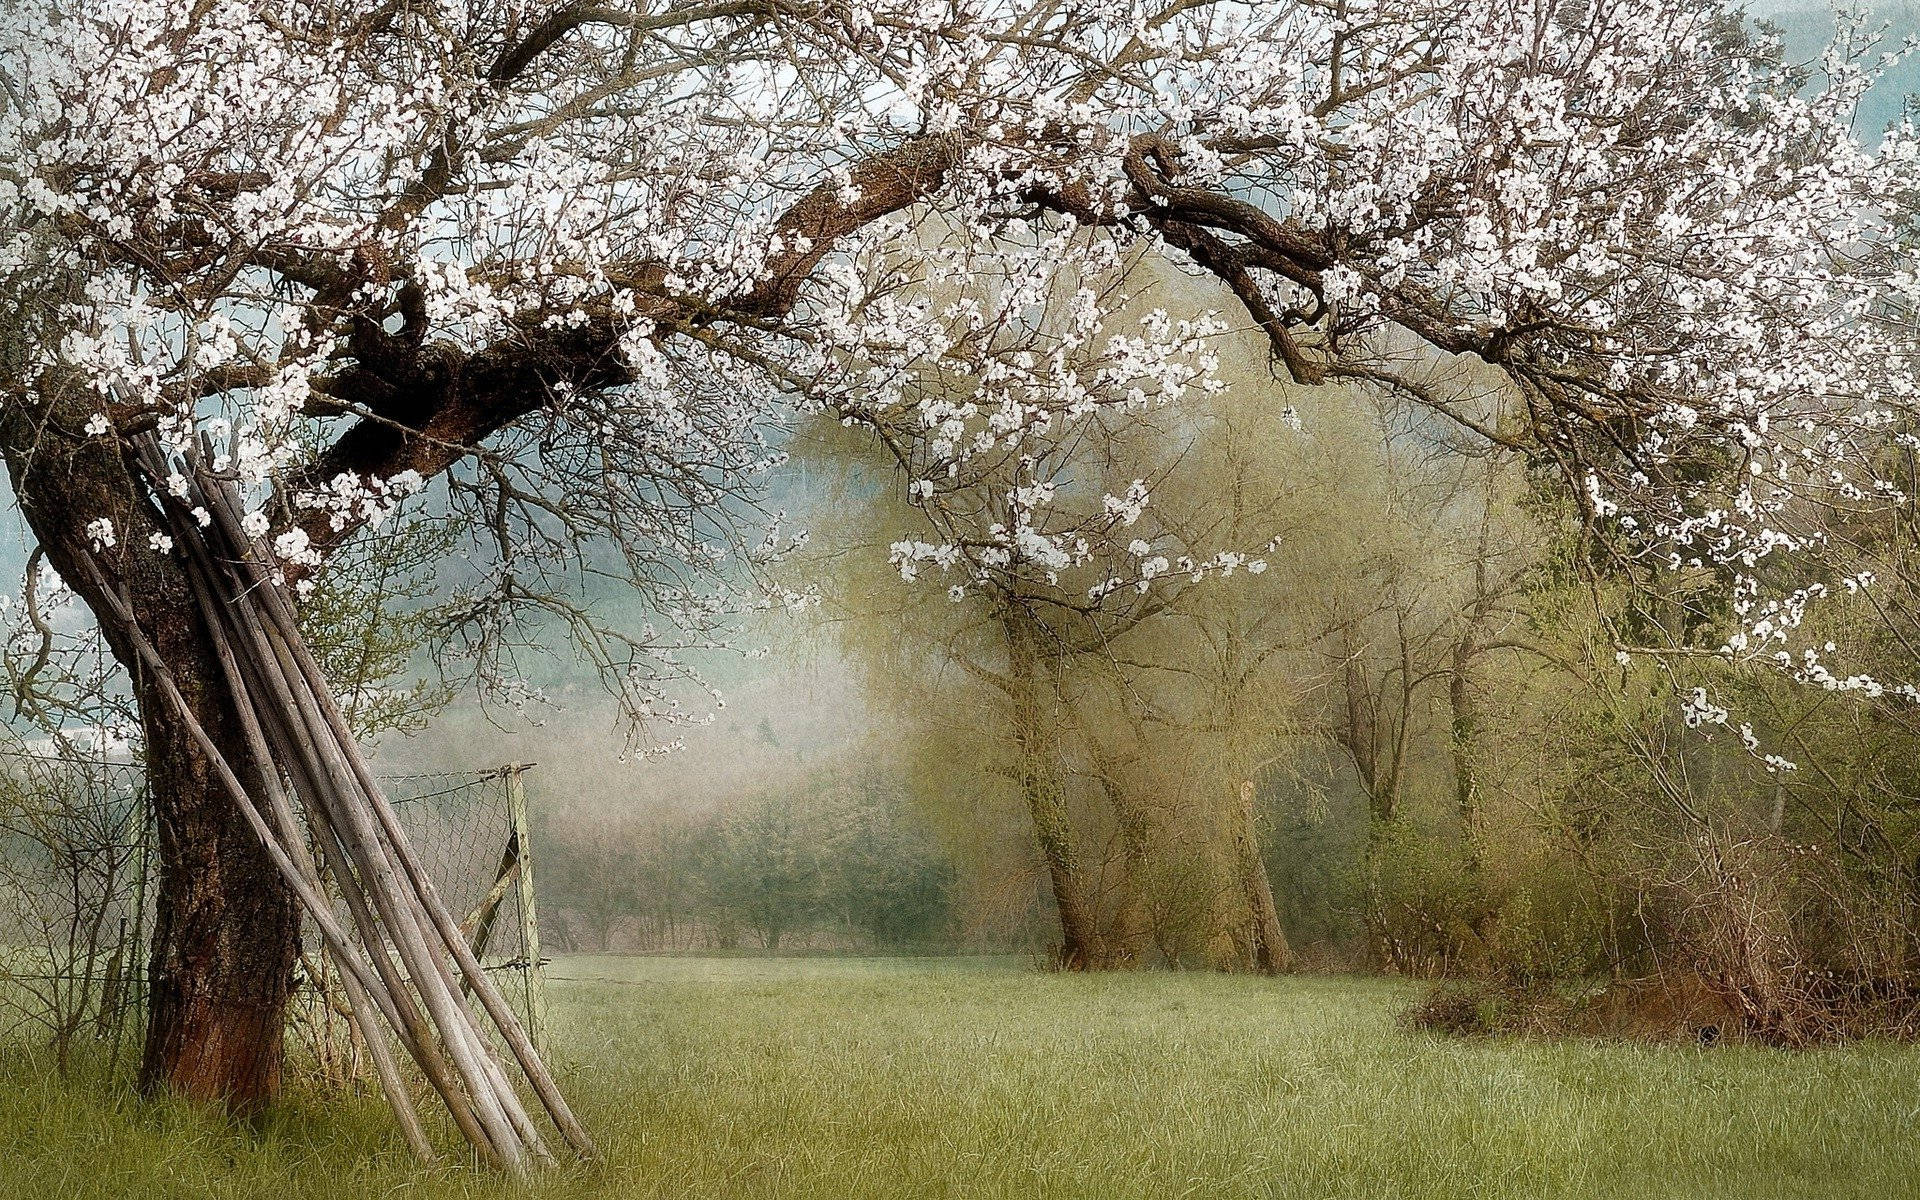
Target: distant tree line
column 838, row 862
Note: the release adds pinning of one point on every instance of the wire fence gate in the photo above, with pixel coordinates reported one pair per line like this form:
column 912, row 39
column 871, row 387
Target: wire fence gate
column 79, row 873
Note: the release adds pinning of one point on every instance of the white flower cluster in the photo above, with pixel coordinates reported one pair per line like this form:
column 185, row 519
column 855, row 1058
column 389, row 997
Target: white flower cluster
column 1699, row 710
column 351, row 499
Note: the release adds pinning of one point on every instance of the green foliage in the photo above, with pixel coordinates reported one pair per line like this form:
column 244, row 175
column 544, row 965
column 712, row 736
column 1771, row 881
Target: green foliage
column 762, row 870
column 1181, row 891
column 886, row 878
column 1313, row 855
column 371, row 616
column 1428, row 911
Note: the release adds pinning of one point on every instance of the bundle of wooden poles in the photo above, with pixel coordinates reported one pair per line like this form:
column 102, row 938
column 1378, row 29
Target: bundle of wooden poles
column 406, row 966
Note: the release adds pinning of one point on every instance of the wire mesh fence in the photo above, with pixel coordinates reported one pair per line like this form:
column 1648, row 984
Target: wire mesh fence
column 78, row 876
column 75, row 899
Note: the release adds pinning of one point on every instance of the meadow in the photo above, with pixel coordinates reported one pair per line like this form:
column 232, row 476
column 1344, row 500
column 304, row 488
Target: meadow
column 836, row 1078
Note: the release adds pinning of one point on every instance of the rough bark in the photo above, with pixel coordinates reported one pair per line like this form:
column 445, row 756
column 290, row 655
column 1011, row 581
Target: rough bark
column 1463, row 745
column 1036, row 719
column 227, row 928
column 1128, row 931
column 1046, row 804
column 1271, row 954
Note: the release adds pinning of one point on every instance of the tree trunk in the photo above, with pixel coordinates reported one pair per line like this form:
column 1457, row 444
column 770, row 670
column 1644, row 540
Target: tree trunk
column 1035, row 718
column 1368, row 743
column 1464, row 734
column 1271, row 954
column 1129, row 931
column 1047, row 805
column 1380, row 941
column 227, row 928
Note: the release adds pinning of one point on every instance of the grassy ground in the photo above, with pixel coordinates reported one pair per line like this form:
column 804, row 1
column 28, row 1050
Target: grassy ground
column 838, row 1078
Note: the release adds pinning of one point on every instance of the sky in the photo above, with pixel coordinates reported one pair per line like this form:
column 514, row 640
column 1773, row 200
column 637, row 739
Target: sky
column 1809, row 26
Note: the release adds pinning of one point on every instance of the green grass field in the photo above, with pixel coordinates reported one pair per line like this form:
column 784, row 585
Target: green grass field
column 838, row 1078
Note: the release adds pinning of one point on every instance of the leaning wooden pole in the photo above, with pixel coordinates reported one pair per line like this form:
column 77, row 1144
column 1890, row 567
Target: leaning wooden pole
column 298, row 757
column 406, row 962
column 221, row 500
column 332, row 933
column 361, row 1007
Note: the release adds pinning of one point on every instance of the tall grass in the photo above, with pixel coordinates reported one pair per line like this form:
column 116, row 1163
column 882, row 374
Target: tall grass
column 869, row 1078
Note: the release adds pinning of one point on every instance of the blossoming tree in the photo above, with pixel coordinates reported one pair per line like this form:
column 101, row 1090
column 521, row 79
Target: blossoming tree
column 557, row 264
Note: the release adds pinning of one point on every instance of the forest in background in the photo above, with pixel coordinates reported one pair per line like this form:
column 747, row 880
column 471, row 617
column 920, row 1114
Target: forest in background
column 1411, row 719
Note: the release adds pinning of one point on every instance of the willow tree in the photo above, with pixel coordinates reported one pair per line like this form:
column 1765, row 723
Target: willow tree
column 554, row 263
column 1049, row 546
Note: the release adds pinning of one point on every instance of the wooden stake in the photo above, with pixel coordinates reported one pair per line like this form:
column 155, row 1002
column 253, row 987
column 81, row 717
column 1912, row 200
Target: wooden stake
column 400, row 968
column 529, row 918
